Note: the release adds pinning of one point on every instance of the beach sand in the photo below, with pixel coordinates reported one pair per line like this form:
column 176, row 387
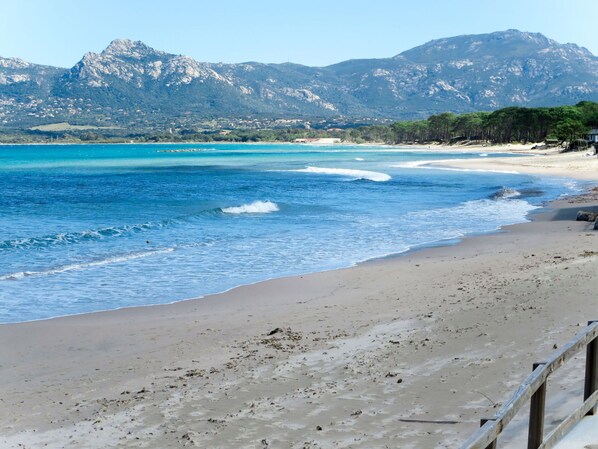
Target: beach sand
column 577, row 164
column 408, row 352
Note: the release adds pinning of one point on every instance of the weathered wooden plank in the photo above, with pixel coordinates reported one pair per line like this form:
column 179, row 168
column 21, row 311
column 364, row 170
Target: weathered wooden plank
column 539, row 376
column 536, row 415
column 488, row 433
column 484, row 436
column 567, row 424
column 523, row 393
column 579, row 342
column 507, row 412
column 493, row 444
column 591, row 380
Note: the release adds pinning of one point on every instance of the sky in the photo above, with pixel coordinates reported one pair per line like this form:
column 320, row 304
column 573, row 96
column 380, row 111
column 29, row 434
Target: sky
column 309, row 32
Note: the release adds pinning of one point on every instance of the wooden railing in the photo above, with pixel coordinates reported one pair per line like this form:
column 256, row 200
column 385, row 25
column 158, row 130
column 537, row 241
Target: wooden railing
column 534, row 388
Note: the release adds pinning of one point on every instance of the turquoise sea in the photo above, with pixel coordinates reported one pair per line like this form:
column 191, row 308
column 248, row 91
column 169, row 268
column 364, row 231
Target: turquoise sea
column 97, row 227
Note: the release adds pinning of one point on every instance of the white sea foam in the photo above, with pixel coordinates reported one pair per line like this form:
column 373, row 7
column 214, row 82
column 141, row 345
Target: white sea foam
column 257, row 207
column 81, row 266
column 502, row 212
column 359, row 159
column 426, row 165
column 484, row 155
column 512, row 172
column 411, row 164
column 506, row 192
column 573, row 186
column 356, row 174
column 477, row 215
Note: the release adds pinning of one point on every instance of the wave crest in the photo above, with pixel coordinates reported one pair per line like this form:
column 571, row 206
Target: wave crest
column 427, row 165
column 477, row 215
column 77, row 237
column 505, row 193
column 257, row 207
column 356, row 174
column 80, row 266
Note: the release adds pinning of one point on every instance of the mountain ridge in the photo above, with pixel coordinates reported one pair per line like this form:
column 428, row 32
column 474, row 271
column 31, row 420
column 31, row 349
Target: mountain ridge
column 131, row 84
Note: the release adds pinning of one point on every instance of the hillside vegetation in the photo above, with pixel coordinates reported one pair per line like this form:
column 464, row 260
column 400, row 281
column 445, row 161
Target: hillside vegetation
column 556, row 125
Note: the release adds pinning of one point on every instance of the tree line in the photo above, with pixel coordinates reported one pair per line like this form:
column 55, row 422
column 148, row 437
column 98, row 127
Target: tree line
column 559, row 124
column 513, row 124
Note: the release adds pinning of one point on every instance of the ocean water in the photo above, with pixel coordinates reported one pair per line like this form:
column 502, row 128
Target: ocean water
column 96, row 227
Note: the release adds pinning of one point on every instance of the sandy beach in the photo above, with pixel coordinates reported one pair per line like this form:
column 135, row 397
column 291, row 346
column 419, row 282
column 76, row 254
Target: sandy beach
column 577, row 164
column 409, row 351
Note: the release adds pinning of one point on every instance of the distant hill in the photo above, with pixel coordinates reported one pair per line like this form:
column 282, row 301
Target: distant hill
column 130, row 84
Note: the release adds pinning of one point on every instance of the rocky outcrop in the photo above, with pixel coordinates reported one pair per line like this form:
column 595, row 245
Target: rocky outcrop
column 584, row 215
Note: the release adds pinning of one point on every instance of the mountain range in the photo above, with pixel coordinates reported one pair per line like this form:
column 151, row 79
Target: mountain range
column 130, row 84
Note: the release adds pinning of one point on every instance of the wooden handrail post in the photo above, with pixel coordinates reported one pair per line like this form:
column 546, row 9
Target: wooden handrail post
column 536, row 415
column 534, row 388
column 493, row 444
column 591, row 382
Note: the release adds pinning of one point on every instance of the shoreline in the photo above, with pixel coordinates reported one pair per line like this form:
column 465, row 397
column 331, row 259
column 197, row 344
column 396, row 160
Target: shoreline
column 380, row 259
column 379, row 353
column 448, row 241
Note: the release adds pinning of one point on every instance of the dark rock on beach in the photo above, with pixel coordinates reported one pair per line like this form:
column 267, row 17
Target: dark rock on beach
column 584, row 215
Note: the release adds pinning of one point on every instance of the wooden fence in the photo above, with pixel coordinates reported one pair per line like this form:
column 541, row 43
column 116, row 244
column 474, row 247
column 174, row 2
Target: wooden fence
column 534, row 389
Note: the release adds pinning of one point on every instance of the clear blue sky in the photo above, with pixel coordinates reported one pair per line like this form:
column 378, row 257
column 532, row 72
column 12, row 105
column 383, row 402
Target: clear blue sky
column 311, row 32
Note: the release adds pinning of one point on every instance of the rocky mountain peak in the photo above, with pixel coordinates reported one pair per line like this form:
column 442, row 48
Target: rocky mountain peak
column 516, row 35
column 13, row 63
column 490, row 45
column 129, row 49
column 139, row 65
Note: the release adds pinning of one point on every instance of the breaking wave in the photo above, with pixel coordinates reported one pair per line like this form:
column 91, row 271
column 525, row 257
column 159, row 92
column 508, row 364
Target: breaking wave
column 77, row 237
column 68, row 238
column 81, row 266
column 477, row 215
column 426, row 165
column 505, row 193
column 257, row 207
column 356, row 174
column 574, row 186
